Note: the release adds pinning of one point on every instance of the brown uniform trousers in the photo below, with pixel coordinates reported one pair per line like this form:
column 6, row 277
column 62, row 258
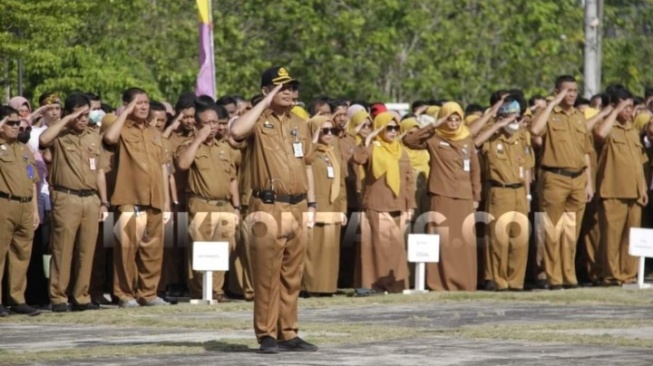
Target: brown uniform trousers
column 453, row 190
column 590, row 232
column 508, row 159
column 18, row 175
column 210, row 221
column 278, row 241
column 138, row 254
column 76, row 158
column 562, row 192
column 240, row 273
column 174, row 248
column 382, row 262
column 621, row 184
column 323, row 248
column 349, row 243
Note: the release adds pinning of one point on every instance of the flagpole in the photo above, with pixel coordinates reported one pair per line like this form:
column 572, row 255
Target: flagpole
column 212, row 55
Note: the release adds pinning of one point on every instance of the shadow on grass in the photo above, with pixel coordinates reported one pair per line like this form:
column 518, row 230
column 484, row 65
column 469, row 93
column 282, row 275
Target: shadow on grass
column 210, row 346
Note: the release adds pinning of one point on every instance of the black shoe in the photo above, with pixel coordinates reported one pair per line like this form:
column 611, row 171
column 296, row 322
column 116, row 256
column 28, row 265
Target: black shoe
column 555, row 287
column 60, row 308
column 25, row 309
column 297, row 345
column 84, row 307
column 268, row 345
column 490, row 285
column 541, row 284
column 570, row 286
column 3, row 312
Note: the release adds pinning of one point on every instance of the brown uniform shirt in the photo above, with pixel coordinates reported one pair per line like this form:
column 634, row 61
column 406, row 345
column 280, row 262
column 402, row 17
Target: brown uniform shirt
column 620, row 170
column 272, row 155
column 181, row 176
column 76, row 158
column 213, row 169
column 648, row 166
column 18, row 172
column 507, row 157
column 320, row 163
column 566, row 140
column 139, row 156
column 377, row 195
column 448, row 175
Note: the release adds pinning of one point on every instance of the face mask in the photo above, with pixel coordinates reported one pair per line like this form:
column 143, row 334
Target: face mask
column 511, row 128
column 23, row 136
column 95, row 117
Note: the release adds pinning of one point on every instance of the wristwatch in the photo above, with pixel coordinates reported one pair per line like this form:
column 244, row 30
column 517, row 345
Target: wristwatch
column 312, row 205
column 237, row 208
column 105, row 204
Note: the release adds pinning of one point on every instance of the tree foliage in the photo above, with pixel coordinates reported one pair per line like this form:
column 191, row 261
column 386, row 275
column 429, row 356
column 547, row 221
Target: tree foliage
column 386, row 50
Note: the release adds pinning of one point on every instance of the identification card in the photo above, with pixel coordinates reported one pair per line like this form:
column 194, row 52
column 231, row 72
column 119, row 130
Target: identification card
column 298, row 150
column 92, row 163
column 330, row 173
column 30, row 171
column 521, row 172
column 466, row 165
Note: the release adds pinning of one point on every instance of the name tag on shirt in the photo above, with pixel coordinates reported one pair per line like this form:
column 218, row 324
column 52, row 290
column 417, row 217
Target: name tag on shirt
column 92, row 163
column 330, row 173
column 298, row 150
column 467, row 165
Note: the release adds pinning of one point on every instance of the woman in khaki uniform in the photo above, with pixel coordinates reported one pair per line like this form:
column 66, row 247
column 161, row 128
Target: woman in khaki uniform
column 388, row 201
column 323, row 252
column 455, row 190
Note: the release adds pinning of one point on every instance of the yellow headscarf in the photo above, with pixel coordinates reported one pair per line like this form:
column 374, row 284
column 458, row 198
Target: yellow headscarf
column 359, row 117
column 432, row 111
column 386, row 155
column 315, row 124
column 419, row 159
column 447, row 110
column 642, row 120
column 471, row 118
column 300, row 112
column 590, row 112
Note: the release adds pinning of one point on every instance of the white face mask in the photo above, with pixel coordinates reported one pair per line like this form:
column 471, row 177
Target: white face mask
column 95, row 117
column 511, row 127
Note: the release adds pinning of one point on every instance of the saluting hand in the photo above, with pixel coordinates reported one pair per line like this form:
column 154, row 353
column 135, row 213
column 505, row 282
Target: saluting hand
column 131, row 106
column 506, row 120
column 439, row 122
column 268, row 98
column 75, row 115
column 623, row 104
column 2, row 122
column 204, row 132
column 316, row 135
column 371, row 136
column 563, row 93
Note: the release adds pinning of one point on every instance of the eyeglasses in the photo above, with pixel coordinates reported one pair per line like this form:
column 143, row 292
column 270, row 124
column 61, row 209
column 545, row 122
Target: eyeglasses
column 27, row 128
column 330, row 130
column 12, row 123
column 392, row 128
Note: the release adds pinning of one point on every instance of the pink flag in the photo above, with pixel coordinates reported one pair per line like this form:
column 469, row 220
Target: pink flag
column 206, row 76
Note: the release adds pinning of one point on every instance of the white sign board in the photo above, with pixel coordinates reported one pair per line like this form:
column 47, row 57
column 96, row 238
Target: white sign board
column 641, row 242
column 423, row 248
column 210, row 256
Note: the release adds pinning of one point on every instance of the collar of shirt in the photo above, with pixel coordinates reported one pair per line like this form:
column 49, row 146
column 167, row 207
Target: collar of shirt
column 558, row 109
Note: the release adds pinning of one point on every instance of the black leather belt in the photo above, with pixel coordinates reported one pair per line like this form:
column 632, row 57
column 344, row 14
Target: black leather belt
column 564, row 172
column 497, row 184
column 210, row 201
column 292, row 199
column 15, row 198
column 80, row 193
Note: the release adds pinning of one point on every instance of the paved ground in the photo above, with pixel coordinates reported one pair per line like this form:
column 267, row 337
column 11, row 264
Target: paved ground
column 400, row 332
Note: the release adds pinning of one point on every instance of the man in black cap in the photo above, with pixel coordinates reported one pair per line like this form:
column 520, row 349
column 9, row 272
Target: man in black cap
column 278, row 143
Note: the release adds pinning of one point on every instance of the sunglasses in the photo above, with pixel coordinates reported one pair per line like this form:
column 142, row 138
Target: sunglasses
column 392, row 128
column 28, row 129
column 330, row 130
column 12, row 123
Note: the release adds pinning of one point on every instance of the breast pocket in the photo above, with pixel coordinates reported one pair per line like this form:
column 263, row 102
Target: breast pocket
column 560, row 131
column 270, row 139
column 203, row 162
